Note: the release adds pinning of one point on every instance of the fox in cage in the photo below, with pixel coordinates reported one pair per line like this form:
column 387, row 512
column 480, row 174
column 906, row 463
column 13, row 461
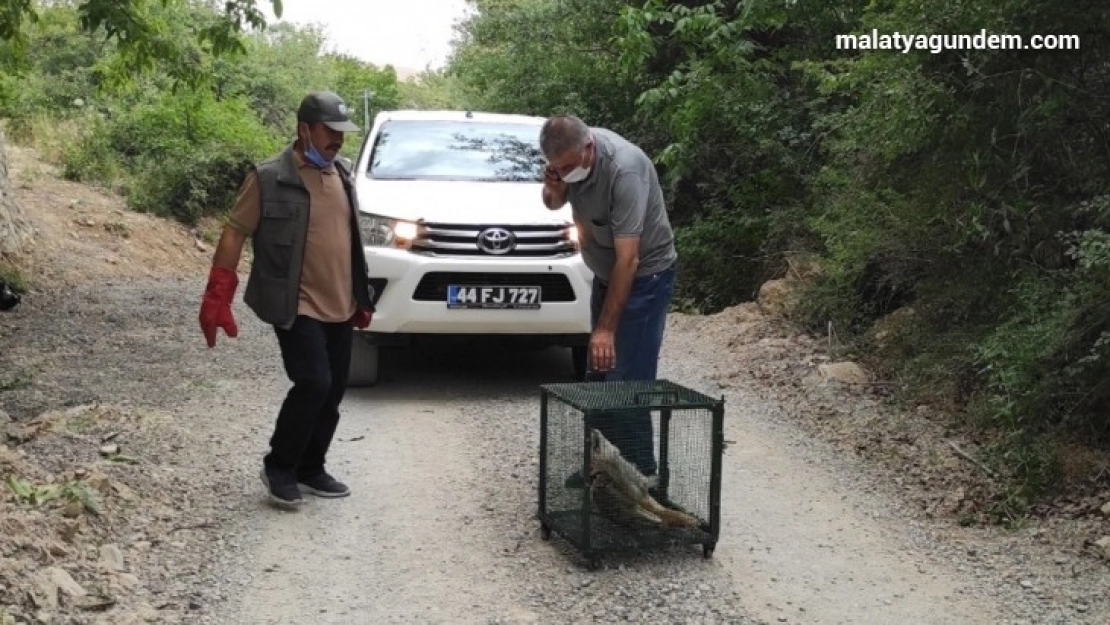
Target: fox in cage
column 621, row 492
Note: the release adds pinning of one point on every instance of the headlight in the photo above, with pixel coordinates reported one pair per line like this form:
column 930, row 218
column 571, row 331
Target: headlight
column 385, row 232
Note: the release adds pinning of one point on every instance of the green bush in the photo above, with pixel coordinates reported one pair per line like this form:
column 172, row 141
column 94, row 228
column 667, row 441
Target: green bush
column 175, row 131
column 718, row 259
column 90, row 158
column 182, row 156
column 192, row 185
column 168, row 124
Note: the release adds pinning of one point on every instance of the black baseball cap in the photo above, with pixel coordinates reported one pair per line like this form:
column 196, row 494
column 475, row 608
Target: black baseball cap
column 328, row 108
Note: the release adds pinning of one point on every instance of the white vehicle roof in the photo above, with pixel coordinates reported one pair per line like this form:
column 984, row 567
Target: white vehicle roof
column 451, row 115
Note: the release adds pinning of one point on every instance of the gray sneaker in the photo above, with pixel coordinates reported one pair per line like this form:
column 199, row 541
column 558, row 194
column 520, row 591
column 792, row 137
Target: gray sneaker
column 282, row 489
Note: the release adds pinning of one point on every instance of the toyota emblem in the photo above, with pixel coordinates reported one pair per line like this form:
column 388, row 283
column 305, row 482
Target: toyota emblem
column 496, row 241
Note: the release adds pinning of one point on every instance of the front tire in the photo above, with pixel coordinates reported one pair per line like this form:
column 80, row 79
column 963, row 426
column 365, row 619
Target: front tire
column 365, row 361
column 579, row 354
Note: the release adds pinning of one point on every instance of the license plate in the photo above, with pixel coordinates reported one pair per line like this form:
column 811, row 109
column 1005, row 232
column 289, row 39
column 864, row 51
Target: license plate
column 514, row 297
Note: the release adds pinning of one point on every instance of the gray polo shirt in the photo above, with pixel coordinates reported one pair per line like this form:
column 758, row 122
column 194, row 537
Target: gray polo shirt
column 621, row 197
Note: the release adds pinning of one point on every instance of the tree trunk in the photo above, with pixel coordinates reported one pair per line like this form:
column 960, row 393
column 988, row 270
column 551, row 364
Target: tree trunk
column 15, row 229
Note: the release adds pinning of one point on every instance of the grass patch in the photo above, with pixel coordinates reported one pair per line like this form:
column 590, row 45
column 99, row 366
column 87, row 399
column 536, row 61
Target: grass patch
column 118, row 228
column 70, row 491
column 51, row 135
column 11, row 275
column 82, row 423
column 21, row 379
column 121, row 459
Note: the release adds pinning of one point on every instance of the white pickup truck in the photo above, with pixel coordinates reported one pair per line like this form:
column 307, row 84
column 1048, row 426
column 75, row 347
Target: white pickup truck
column 458, row 241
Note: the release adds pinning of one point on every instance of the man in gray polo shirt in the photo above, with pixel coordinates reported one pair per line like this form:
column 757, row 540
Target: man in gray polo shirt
column 628, row 243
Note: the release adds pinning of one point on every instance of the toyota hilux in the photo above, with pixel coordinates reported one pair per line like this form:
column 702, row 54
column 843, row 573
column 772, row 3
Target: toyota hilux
column 458, row 241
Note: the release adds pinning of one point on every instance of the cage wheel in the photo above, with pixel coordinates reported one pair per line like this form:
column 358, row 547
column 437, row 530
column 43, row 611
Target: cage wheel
column 707, row 551
column 593, row 563
column 545, row 531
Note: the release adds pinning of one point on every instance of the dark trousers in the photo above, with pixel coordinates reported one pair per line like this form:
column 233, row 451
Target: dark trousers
column 317, row 357
column 639, row 338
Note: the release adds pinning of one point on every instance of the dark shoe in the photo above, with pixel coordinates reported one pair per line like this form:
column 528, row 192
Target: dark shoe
column 323, row 485
column 282, row 489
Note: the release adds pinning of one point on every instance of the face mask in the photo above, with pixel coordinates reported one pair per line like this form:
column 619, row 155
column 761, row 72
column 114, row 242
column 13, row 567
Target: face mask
column 314, row 157
column 578, row 174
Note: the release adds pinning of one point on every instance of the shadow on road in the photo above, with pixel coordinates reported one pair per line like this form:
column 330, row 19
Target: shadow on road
column 461, row 370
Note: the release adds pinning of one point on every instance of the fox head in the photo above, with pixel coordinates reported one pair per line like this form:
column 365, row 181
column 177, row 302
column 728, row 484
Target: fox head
column 604, row 452
column 601, row 448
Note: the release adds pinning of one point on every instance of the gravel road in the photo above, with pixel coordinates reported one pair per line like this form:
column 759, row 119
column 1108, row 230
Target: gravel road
column 442, row 461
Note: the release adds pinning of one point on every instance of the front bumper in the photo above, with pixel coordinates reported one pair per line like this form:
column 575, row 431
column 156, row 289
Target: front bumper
column 411, row 299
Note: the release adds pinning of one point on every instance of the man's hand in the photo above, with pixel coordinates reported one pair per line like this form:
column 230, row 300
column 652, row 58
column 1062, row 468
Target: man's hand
column 362, row 318
column 554, row 188
column 551, row 177
column 603, row 350
column 215, row 307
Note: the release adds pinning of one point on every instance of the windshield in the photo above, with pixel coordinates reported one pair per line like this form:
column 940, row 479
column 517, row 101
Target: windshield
column 449, row 150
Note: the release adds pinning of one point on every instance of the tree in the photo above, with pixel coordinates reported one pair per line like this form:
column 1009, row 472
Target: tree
column 131, row 22
column 15, row 231
column 144, row 40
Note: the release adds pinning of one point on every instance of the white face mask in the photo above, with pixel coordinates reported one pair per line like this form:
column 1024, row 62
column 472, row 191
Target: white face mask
column 578, row 175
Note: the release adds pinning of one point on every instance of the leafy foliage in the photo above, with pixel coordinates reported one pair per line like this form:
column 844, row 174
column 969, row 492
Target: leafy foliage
column 968, row 184
column 196, row 150
column 176, row 131
column 142, row 29
column 42, row 494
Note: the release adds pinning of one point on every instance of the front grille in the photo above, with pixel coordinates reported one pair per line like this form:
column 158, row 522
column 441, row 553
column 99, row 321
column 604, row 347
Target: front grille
column 555, row 287
column 532, row 241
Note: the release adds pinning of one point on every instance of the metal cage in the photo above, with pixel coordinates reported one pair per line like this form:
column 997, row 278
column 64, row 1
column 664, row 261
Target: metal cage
column 671, row 434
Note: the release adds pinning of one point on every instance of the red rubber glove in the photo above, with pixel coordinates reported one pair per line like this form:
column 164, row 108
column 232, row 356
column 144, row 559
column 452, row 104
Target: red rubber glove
column 361, row 318
column 215, row 308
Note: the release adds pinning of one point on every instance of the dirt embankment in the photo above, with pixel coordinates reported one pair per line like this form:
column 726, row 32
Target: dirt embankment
column 96, row 501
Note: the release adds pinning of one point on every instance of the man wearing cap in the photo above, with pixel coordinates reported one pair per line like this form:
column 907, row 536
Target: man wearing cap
column 308, row 279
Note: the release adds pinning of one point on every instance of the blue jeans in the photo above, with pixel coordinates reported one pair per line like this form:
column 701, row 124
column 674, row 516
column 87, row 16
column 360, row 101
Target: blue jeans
column 639, row 338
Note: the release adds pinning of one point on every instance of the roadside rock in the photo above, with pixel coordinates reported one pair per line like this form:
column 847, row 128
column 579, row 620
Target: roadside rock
column 845, row 372
column 1104, row 544
column 111, row 558
column 887, row 329
column 8, row 456
column 51, row 584
column 778, row 298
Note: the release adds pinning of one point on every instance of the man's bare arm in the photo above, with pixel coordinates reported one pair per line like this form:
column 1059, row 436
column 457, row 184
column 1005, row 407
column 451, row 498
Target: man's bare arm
column 229, row 249
column 554, row 199
column 620, row 282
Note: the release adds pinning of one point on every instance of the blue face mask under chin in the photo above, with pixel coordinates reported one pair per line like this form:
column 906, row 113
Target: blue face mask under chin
column 313, row 156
